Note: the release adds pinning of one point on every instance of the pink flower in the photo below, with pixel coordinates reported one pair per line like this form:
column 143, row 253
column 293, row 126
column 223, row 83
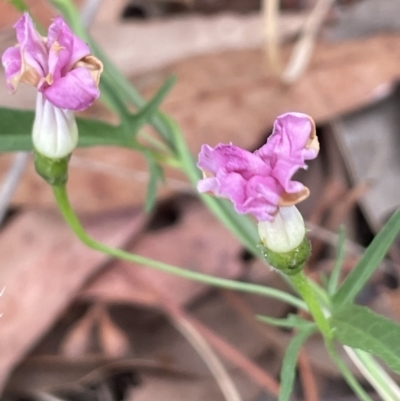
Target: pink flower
column 259, row 183
column 60, row 65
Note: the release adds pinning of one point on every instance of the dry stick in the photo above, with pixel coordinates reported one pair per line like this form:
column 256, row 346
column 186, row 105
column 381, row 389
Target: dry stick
column 258, row 375
column 340, row 210
column 240, row 306
column 187, row 328
column 301, row 53
column 11, row 181
column 332, row 191
column 309, row 383
column 184, row 325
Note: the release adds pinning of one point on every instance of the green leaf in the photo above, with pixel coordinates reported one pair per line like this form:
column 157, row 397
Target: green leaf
column 156, row 175
column 292, row 321
column 20, row 5
column 359, row 327
column 242, row 226
column 340, row 253
column 288, row 369
column 370, row 261
column 113, row 82
column 99, row 133
column 16, row 128
column 146, row 113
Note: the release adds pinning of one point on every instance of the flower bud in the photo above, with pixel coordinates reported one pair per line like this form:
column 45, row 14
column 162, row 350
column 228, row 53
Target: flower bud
column 283, row 241
column 53, row 171
column 55, row 133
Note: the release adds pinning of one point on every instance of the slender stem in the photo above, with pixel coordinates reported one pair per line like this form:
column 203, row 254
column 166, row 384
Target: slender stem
column 70, row 217
column 384, row 385
column 346, row 372
column 306, row 290
column 302, row 285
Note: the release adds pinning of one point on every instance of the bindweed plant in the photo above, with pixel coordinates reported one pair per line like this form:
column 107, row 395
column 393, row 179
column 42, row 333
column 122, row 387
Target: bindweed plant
column 70, row 71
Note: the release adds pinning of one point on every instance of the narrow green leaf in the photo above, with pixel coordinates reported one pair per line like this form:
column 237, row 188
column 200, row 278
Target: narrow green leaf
column 145, row 114
column 240, row 225
column 292, row 321
column 16, row 127
column 20, row 5
column 99, row 133
column 288, row 370
column 340, row 253
column 156, row 175
column 359, row 327
column 370, row 261
column 113, row 82
column 15, row 130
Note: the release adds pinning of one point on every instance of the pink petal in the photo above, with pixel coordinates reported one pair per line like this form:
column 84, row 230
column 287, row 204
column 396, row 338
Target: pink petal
column 11, row 60
column 258, row 183
column 32, row 45
column 286, row 148
column 65, row 48
column 76, row 91
column 230, row 158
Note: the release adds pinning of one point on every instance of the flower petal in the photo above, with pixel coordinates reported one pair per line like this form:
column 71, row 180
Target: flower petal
column 12, row 64
column 33, row 50
column 55, row 133
column 259, row 183
column 76, row 91
column 65, row 48
column 293, row 141
column 230, row 158
column 262, row 197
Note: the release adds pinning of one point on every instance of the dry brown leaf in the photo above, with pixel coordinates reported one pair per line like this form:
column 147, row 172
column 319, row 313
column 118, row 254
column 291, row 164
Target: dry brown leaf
column 233, row 97
column 43, row 266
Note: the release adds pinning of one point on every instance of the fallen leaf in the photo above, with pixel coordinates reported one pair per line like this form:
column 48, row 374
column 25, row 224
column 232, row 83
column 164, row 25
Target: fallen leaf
column 43, row 267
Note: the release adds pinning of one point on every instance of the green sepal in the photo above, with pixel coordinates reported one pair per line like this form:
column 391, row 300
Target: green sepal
column 53, row 171
column 291, row 262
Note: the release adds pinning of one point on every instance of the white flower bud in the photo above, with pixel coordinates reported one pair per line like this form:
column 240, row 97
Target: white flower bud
column 285, row 233
column 55, row 133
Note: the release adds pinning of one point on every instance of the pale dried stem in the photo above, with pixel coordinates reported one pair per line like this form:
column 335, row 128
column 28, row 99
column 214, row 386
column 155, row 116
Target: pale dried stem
column 186, row 327
column 302, row 50
column 257, row 374
column 11, row 181
column 307, row 377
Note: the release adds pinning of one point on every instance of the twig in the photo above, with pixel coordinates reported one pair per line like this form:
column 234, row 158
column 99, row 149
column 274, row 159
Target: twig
column 11, row 181
column 332, row 238
column 88, row 11
column 309, row 384
column 185, row 325
column 301, row 53
column 259, row 376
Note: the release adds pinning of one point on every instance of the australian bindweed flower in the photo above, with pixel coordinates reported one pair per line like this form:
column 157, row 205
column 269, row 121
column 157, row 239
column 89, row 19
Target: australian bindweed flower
column 260, row 184
column 66, row 76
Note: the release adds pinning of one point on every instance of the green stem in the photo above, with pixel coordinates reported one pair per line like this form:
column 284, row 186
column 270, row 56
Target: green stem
column 300, row 282
column 346, row 372
column 70, row 217
column 384, row 385
column 303, row 287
